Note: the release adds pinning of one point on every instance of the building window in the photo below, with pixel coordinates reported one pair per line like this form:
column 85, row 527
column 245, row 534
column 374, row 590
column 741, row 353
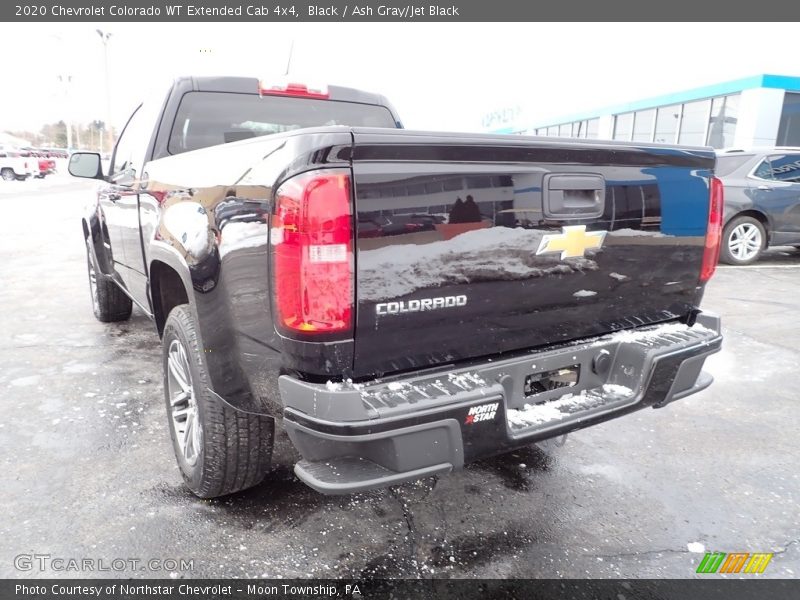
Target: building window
column 667, row 121
column 565, row 130
column 693, row 123
column 552, row 131
column 789, row 128
column 643, row 125
column 623, row 125
column 722, row 124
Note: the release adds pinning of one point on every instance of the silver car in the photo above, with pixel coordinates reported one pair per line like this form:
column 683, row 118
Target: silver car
column 762, row 201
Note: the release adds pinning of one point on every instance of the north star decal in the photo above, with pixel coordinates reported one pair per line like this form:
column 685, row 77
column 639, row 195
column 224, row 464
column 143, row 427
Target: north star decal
column 484, row 412
column 572, row 242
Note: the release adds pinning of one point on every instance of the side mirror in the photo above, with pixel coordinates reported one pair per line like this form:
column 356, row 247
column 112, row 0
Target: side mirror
column 85, row 164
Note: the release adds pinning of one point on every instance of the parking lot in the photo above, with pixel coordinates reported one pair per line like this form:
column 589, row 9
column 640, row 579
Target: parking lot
column 88, row 470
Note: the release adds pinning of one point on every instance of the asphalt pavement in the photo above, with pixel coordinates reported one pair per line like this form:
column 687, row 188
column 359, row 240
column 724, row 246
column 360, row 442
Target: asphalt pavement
column 87, row 470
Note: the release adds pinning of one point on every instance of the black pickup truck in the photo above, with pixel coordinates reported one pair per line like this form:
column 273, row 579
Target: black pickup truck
column 400, row 302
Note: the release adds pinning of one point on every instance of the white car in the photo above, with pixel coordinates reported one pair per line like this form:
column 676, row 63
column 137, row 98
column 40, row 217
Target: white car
column 14, row 166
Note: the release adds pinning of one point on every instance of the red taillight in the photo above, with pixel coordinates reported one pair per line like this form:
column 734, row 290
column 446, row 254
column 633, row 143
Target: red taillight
column 293, row 89
column 714, row 232
column 312, row 240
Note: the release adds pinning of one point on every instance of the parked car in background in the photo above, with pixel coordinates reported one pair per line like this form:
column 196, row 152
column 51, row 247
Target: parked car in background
column 47, row 165
column 762, row 201
column 33, row 157
column 14, row 166
column 56, row 152
column 41, row 160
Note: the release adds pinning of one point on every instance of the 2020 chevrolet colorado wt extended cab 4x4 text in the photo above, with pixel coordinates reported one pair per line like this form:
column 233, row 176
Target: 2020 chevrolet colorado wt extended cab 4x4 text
column 400, row 302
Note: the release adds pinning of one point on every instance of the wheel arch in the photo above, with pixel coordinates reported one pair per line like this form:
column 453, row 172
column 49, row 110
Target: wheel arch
column 167, row 290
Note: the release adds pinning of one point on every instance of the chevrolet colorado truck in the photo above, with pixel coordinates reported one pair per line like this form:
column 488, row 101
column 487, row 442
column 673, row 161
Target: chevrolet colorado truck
column 400, row 302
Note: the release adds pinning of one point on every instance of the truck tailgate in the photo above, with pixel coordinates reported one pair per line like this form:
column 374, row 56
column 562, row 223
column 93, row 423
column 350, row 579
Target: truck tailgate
column 474, row 246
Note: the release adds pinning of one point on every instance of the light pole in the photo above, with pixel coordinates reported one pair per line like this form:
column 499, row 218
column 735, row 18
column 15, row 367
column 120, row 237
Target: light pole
column 289, row 62
column 104, row 37
column 64, row 93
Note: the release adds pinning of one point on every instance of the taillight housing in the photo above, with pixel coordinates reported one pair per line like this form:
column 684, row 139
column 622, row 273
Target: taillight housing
column 714, row 231
column 312, row 254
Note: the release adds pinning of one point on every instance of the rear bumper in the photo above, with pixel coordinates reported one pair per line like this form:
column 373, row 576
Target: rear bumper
column 357, row 437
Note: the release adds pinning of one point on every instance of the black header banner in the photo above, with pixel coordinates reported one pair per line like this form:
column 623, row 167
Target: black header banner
column 396, row 11
column 459, row 589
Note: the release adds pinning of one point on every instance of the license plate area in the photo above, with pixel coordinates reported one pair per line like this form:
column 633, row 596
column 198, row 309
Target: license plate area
column 546, row 381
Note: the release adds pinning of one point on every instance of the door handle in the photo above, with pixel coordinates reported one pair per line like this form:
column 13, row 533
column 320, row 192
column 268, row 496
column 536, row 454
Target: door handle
column 765, row 188
column 573, row 196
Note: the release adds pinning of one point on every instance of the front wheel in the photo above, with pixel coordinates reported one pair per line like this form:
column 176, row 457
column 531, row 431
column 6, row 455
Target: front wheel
column 743, row 240
column 219, row 450
column 8, row 175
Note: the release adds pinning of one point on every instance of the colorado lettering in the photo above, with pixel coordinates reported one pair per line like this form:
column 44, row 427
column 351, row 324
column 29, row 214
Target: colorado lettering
column 407, row 306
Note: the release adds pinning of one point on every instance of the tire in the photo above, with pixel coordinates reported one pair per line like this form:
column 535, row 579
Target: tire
column 109, row 303
column 8, row 175
column 743, row 240
column 219, row 450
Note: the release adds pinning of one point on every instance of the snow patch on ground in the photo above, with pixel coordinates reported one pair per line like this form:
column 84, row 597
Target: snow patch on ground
column 75, row 367
column 584, row 294
column 28, row 338
column 696, row 547
column 496, row 253
column 22, row 381
column 618, row 277
column 555, row 410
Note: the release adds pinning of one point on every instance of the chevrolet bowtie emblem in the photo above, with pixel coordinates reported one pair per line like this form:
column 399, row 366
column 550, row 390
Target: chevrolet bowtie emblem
column 572, row 242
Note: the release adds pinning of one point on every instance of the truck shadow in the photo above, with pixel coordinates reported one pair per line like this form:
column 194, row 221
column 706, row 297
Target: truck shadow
column 406, row 531
column 514, row 468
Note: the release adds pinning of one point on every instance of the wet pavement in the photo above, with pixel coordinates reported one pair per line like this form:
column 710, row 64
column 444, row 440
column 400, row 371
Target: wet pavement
column 87, row 471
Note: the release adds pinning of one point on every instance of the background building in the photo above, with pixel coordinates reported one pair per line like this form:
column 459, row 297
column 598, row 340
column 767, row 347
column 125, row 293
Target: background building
column 763, row 110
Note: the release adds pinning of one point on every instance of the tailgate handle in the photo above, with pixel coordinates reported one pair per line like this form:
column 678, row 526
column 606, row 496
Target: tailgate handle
column 573, row 196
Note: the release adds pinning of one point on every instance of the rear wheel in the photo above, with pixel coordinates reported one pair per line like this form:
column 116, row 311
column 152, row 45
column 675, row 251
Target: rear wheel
column 743, row 240
column 219, row 450
column 109, row 303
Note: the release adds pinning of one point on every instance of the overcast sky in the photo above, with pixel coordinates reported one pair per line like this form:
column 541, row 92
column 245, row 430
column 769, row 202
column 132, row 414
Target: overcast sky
column 438, row 76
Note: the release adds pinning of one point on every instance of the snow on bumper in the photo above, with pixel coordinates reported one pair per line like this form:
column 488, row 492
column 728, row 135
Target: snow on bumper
column 355, row 437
